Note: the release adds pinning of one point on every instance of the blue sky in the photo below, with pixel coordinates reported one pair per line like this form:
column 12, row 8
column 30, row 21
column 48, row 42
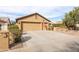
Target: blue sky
column 53, row 13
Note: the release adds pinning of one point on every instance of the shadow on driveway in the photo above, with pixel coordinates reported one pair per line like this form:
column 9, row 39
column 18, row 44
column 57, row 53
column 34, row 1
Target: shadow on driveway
column 20, row 44
column 26, row 38
column 71, row 47
column 74, row 47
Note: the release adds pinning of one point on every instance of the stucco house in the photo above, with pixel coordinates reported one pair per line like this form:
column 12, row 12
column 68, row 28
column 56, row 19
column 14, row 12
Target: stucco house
column 33, row 22
column 4, row 21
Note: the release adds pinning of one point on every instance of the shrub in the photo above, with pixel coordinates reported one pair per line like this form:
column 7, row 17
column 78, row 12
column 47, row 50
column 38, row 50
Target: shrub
column 58, row 25
column 50, row 27
column 14, row 29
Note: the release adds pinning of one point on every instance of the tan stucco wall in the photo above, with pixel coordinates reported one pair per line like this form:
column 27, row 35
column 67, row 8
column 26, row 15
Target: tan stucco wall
column 4, row 42
column 32, row 26
column 32, row 19
column 60, row 29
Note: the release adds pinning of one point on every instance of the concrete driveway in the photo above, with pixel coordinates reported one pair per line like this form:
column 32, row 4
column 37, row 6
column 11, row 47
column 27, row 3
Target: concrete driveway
column 47, row 41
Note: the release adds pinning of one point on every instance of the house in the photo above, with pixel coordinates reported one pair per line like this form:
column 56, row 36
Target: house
column 4, row 21
column 33, row 22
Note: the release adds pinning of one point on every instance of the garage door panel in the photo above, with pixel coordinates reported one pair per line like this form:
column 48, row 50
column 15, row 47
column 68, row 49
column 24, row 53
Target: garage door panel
column 31, row 26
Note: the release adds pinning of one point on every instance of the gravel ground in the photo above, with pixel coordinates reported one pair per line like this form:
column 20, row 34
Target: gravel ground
column 48, row 41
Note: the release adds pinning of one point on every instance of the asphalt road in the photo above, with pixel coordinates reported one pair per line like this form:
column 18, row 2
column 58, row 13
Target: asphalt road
column 48, row 41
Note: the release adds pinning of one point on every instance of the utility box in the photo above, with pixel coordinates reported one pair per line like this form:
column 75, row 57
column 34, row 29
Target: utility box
column 4, row 41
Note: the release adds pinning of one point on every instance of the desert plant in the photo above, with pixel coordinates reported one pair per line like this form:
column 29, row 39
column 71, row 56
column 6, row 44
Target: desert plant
column 14, row 29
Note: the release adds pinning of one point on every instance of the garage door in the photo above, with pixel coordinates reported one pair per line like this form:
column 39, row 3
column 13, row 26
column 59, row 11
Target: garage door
column 31, row 26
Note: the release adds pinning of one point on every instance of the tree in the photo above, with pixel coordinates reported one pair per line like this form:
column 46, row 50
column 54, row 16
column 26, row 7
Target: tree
column 71, row 19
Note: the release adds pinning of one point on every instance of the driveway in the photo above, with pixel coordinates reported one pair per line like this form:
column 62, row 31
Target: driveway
column 47, row 41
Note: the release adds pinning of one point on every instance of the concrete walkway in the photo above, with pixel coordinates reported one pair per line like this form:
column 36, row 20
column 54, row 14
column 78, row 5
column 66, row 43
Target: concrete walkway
column 47, row 41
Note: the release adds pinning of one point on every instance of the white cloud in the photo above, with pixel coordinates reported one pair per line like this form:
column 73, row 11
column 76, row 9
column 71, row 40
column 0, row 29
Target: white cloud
column 49, row 12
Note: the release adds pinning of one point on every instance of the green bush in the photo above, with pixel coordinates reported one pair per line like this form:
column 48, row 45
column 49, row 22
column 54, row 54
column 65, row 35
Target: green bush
column 14, row 29
column 58, row 25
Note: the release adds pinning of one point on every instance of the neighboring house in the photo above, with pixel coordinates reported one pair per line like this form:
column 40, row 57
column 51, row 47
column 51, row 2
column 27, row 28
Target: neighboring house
column 4, row 21
column 33, row 22
column 4, row 37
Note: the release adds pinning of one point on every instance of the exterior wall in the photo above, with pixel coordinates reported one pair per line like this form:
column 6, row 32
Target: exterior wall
column 40, row 19
column 4, row 41
column 60, row 29
column 33, row 19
